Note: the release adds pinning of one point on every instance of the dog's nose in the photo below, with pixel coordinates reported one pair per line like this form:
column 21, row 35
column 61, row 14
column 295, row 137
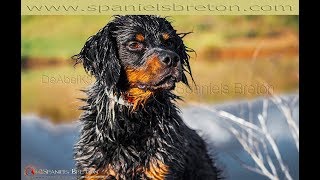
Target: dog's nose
column 169, row 58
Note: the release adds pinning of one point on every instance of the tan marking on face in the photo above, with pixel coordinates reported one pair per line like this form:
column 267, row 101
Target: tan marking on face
column 143, row 75
column 147, row 72
column 140, row 37
column 165, row 36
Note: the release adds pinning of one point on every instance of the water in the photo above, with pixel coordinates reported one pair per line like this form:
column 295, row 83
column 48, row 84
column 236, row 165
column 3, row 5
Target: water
column 50, row 147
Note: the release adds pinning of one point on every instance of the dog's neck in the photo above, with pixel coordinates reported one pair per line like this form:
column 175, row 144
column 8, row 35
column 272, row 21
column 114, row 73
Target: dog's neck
column 119, row 99
column 132, row 98
column 111, row 126
column 111, row 111
column 137, row 96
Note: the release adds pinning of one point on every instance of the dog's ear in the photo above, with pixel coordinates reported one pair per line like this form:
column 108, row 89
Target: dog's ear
column 100, row 58
column 184, row 57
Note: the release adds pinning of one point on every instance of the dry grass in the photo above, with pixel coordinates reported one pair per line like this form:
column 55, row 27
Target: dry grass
column 227, row 80
column 49, row 93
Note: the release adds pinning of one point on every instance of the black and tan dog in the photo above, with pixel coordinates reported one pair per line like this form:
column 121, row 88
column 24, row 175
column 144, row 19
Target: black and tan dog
column 131, row 127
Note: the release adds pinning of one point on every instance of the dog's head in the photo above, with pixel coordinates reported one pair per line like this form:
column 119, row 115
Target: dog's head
column 138, row 55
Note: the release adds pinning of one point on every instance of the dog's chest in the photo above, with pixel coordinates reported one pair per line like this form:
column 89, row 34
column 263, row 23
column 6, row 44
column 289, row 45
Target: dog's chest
column 151, row 158
column 154, row 169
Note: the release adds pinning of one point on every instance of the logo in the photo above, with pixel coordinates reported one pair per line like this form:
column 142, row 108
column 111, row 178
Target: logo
column 29, row 170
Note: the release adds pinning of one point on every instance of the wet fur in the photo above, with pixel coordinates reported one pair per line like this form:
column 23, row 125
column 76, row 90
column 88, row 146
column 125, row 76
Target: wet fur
column 149, row 142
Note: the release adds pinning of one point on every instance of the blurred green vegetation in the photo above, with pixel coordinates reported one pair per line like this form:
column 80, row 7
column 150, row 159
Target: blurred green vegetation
column 238, row 40
column 63, row 36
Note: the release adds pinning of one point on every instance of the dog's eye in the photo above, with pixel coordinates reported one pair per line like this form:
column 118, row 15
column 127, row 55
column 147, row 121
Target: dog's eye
column 134, row 46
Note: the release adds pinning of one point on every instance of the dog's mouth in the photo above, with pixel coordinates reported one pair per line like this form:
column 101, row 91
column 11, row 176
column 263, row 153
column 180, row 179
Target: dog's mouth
column 164, row 83
column 168, row 82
